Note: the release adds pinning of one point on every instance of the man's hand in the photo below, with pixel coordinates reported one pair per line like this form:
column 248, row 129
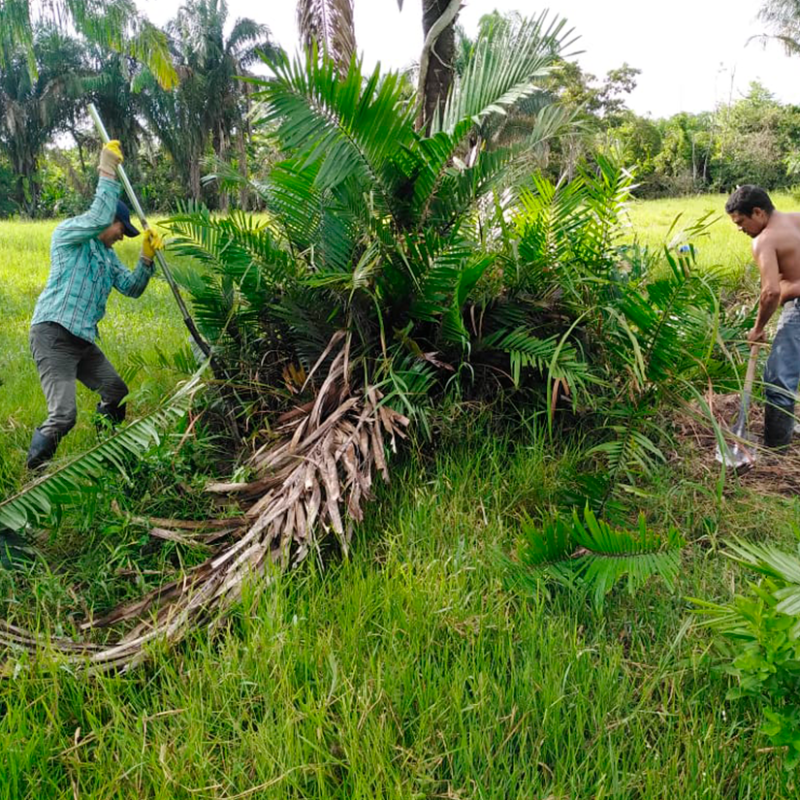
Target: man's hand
column 757, row 336
column 110, row 158
column 151, row 242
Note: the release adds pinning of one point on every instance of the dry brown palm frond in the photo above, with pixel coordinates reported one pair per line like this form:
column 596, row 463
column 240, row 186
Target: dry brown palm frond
column 311, row 480
column 329, row 24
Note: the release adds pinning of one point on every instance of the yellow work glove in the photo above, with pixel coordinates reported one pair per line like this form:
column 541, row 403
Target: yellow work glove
column 150, row 243
column 110, row 157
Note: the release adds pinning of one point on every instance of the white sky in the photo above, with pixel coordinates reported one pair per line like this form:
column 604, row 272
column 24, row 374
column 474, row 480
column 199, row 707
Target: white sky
column 693, row 53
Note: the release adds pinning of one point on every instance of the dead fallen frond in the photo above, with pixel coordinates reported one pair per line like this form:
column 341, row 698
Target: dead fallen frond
column 310, row 480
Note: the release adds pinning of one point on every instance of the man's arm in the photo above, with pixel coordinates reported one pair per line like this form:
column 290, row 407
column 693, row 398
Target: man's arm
column 104, row 208
column 131, row 284
column 767, row 261
column 99, row 216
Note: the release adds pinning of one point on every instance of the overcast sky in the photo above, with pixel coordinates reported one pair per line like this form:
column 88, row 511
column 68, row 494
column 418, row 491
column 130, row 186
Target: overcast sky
column 693, row 54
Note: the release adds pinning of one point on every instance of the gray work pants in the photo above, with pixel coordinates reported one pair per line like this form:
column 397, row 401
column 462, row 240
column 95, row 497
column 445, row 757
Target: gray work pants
column 61, row 359
column 782, row 373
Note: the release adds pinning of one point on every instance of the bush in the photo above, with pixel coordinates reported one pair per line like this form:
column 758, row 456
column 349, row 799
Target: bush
column 66, row 186
column 158, row 186
column 763, row 627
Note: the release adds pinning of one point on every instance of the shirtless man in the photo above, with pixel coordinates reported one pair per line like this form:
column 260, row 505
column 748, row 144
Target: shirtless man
column 776, row 249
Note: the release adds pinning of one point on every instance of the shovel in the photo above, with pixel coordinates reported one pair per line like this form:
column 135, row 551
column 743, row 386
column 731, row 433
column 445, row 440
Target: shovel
column 739, row 457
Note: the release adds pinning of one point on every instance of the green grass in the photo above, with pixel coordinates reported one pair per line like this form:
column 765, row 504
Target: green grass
column 410, row 671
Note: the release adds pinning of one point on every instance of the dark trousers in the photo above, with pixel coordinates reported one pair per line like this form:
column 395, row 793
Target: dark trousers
column 61, row 359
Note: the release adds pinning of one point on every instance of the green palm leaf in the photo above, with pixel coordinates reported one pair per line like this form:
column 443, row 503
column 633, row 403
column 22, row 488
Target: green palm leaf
column 316, row 221
column 505, row 69
column 590, row 554
column 116, row 24
column 773, row 562
column 527, row 350
column 36, row 501
column 352, row 125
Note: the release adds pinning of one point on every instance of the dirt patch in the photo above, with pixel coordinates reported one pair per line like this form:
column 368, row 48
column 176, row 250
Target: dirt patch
column 770, row 474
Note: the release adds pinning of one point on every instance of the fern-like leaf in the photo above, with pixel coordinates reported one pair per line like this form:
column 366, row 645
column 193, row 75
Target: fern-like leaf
column 504, row 70
column 769, row 560
column 351, row 126
column 35, row 502
column 589, row 553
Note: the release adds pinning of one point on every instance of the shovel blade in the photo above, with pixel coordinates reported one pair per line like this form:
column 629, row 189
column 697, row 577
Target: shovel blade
column 737, row 457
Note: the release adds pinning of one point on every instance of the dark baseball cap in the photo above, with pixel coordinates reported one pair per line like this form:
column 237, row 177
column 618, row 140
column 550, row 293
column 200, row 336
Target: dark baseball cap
column 124, row 216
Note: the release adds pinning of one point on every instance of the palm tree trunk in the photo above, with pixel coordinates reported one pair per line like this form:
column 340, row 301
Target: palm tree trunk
column 194, row 179
column 222, row 155
column 27, row 187
column 436, row 62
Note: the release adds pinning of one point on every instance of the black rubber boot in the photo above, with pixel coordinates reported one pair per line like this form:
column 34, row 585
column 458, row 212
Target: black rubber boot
column 42, row 449
column 110, row 414
column 778, row 428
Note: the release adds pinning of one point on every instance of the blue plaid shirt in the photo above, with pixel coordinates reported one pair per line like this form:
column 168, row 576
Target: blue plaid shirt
column 83, row 271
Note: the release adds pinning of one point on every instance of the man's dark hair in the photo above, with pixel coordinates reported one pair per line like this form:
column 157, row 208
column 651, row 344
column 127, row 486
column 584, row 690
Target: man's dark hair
column 746, row 199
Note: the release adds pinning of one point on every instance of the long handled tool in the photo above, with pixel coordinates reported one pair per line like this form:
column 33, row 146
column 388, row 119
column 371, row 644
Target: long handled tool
column 162, row 262
column 216, row 368
column 740, row 457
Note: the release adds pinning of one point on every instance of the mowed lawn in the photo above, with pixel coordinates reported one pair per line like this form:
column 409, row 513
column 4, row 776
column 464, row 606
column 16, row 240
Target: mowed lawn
column 132, row 331
column 411, row 671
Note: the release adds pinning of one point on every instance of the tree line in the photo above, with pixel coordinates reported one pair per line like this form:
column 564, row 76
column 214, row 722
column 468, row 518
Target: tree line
column 44, row 135
column 177, row 99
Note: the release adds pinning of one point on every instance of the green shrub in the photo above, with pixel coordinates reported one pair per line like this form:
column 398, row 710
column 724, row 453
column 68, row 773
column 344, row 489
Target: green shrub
column 66, row 188
column 761, row 643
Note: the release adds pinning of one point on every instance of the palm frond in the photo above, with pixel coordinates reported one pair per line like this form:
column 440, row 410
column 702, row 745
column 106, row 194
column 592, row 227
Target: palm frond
column 35, row 502
column 525, row 350
column 659, row 338
column 592, row 555
column 351, row 125
column 148, row 45
column 504, row 70
column 548, row 220
column 461, row 188
column 311, row 481
column 246, row 39
column 630, row 450
column 316, row 221
column 329, row 25
column 772, row 561
column 243, row 269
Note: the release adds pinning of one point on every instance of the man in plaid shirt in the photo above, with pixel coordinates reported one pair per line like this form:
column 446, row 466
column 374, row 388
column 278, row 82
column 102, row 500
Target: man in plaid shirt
column 83, row 271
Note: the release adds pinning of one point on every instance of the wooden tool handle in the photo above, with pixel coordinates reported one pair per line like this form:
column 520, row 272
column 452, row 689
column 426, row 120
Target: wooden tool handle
column 741, row 422
column 751, row 369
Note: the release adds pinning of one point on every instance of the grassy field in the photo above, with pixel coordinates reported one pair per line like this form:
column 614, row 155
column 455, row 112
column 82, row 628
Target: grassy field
column 721, row 247
column 411, row 670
